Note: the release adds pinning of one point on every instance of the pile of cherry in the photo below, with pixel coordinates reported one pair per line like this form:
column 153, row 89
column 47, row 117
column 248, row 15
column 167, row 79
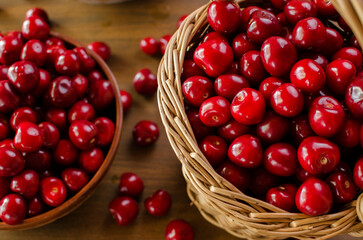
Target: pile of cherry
column 274, row 94
column 56, row 118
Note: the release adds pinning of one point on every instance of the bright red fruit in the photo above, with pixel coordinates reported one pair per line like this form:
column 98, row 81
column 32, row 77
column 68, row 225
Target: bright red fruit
column 24, row 76
column 74, row 179
column 53, row 191
column 339, row 73
column 273, row 128
column 145, row 133
column 287, row 100
column 238, row 176
column 232, row 129
column 26, row 183
column 297, row 10
column 214, row 148
column 124, row 210
column 228, row 85
column 179, row 230
column 150, row 46
column 28, row 137
column 35, row 27
column 262, row 25
column 83, row 134
column 342, row 187
column 280, row 159
column 106, row 131
column 354, row 97
column 197, row 89
column 282, row 197
column 309, row 34
column 61, row 92
column 351, row 54
column 158, row 204
column 34, row 51
column 252, row 68
column 131, row 185
column 91, row 160
column 358, row 173
column 224, row 16
column 126, row 100
column 12, row 209
column 65, row 153
column 101, row 48
column 215, row 111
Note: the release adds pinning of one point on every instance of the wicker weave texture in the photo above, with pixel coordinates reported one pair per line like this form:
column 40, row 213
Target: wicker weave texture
column 218, row 201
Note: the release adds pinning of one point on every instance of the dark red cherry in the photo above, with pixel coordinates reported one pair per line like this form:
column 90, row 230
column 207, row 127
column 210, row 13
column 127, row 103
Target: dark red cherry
column 126, row 100
column 26, row 183
column 4, row 72
column 101, row 48
column 318, row 58
column 214, row 149
column 318, row 155
column 190, row 69
column 81, row 111
column 224, row 16
column 232, row 129
column 287, row 100
column 228, row 85
column 94, row 76
column 297, row 10
column 34, row 51
column 262, row 181
column 350, row 54
column 54, row 41
column 44, row 80
column 358, row 173
column 333, row 43
column 9, row 100
column 239, row 177
column 124, row 210
column 83, row 134
column 164, row 40
column 131, row 185
column 51, row 134
column 179, row 230
column 245, row 16
column 354, row 43
column 38, row 161
column 8, row 142
column 342, row 187
column 150, row 46
column 158, row 204
column 67, row 63
column 10, row 49
column 58, row 117
column 145, row 82
column 39, row 12
column 241, row 44
column 283, row 197
column 91, row 160
column 361, row 135
column 65, row 153
column 262, row 25
column 314, row 197
column 53, row 191
column 348, row 136
column 86, row 62
column 269, row 85
column 4, row 127
column 28, row 137
column 12, row 209
column 199, row 129
column 145, row 133
column 24, row 114
column 106, row 131
column 354, row 97
column 197, row 89
column 35, row 206
column 252, row 68
column 35, row 27
column 74, row 179
column 53, row 52
column 279, row 4
column 300, row 129
column 280, row 159
column 11, row 162
column 101, row 94
column 339, row 73
column 24, row 76
column 325, row 8
column 215, row 111
column 309, row 34
column 61, row 92
column 273, row 128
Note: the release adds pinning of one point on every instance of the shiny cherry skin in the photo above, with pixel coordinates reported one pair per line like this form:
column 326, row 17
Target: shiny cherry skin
column 65, row 153
column 10, row 49
column 228, row 85
column 101, row 94
column 325, row 8
column 302, row 175
column 164, row 40
column 106, row 131
column 67, row 63
column 354, row 43
column 316, row 57
column 124, row 210
column 354, row 97
column 262, row 25
column 342, row 187
column 86, row 62
column 158, row 204
column 350, row 54
column 39, row 12
column 50, row 133
column 8, row 142
column 145, row 82
column 334, row 42
column 279, row 4
column 34, row 51
column 190, row 69
column 4, row 127
column 300, row 129
column 283, row 197
column 24, row 114
column 81, row 111
column 61, row 92
column 339, row 73
column 53, row 191
column 309, row 33
column 278, row 55
column 35, row 206
column 245, row 16
column 179, row 230
column 215, row 111
column 224, row 16
column 74, row 179
column 4, row 71
column 348, row 135
column 101, row 48
column 308, row 76
column 28, row 137
column 11, row 162
column 53, row 52
column 252, row 68
column 199, row 129
column 269, row 85
column 150, row 46
column 197, row 89
column 83, row 134
column 44, row 81
column 318, row 155
column 241, row 44
column 273, row 128
column 280, row 159
column 26, row 183
column 131, row 185
column 24, row 76
column 239, row 177
column 326, row 116
column 314, row 197
column 145, row 133
column 38, row 161
column 91, row 160
column 94, row 76
column 262, row 181
column 58, row 117
column 126, row 100
column 214, row 149
column 246, row 151
column 297, row 10
column 54, row 41
column 208, row 55
column 287, row 100
column 358, row 173
column 9, row 100
column 12, row 209
column 35, row 27
column 232, row 129
column 248, row 106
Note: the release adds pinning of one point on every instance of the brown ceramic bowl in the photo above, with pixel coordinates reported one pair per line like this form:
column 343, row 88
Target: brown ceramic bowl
column 76, row 200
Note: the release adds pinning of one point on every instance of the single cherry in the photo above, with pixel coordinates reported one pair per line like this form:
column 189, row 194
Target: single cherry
column 197, row 89
column 101, row 94
column 35, row 27
column 300, row 129
column 86, row 62
column 26, row 183
column 68, row 63
column 81, row 111
column 282, row 197
column 145, row 82
column 297, row 10
column 214, row 149
column 101, row 48
column 61, row 92
column 12, row 209
column 28, row 137
column 179, row 230
column 150, row 46
column 124, row 210
column 50, row 133
column 53, row 191
column 35, row 206
column 215, row 111
column 224, row 16
column 348, row 135
column 262, row 25
column 238, row 176
column 287, row 100
column 11, row 162
column 126, row 100
column 309, row 34
column 38, row 161
column 158, row 204
column 228, row 85
column 280, row 159
column 342, row 187
column 10, row 49
column 83, row 134
column 24, row 114
column 232, row 129
column 74, row 179
column 241, row 44
column 273, row 128
column 351, row 54
column 65, row 153
column 91, row 160
column 354, row 97
column 145, row 133
column 358, row 173
column 106, row 131
column 199, row 129
column 24, row 76
column 252, row 68
column 34, row 51
column 131, row 185
column 58, row 117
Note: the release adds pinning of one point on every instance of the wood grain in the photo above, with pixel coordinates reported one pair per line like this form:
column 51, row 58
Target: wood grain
column 121, row 26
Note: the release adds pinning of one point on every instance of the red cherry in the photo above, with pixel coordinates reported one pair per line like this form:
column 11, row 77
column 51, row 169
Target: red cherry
column 164, row 40
column 158, row 204
column 81, row 111
column 246, row 15
column 4, row 72
column 83, row 134
column 87, row 64
column 269, row 85
column 309, row 33
column 318, row 155
column 273, row 128
column 24, row 114
column 283, row 197
column 308, row 76
column 94, row 76
column 318, row 58
column 262, row 25
column 35, row 206
column 224, row 16
column 241, row 44
column 61, row 92
column 145, row 82
column 145, row 133
column 37, row 12
column 199, row 129
column 287, row 100
column 58, row 117
column 325, row 8
column 11, row 162
column 35, row 27
column 314, row 197
column 214, row 149
column 150, row 46
column 326, row 116
column 44, row 80
column 124, row 210
column 12, row 209
column 215, row 111
column 262, row 181
column 53, row 191
column 348, row 136
column 106, row 131
column 50, row 133
column 278, row 55
column 54, row 41
column 358, row 173
column 252, row 68
column 34, row 51
column 4, row 127
column 101, row 94
column 300, row 129
column 53, row 52
column 26, row 183
column 342, row 187
column 208, row 55
column 131, row 185
column 24, row 76
column 248, row 106
column 280, row 159
column 9, row 142
column 179, row 230
column 126, row 100
column 9, row 100
column 38, row 161
column 91, row 160
column 67, row 63
column 339, row 74
column 297, row 10
column 65, row 153
column 81, row 84
column 28, row 137
column 101, row 48
column 239, row 177
column 228, row 85
column 279, row 4
column 232, row 129
column 350, row 54
column 246, row 151
column 334, row 42
column 197, row 89
column 190, row 69
column 74, row 179
column 10, row 49
column 354, row 97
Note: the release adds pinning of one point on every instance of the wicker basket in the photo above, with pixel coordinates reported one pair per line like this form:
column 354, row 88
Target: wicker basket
column 218, row 201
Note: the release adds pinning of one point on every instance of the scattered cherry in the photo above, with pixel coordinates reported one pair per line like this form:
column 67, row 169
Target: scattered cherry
column 131, row 185
column 158, row 204
column 124, row 210
column 179, row 230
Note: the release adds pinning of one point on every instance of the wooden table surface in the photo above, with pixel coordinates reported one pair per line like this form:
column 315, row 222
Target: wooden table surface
column 121, row 26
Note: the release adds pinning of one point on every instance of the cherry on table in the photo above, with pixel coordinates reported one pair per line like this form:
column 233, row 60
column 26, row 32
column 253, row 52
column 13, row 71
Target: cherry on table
column 179, row 230
column 282, row 197
column 126, row 100
column 145, row 133
column 238, row 176
column 215, row 111
column 150, row 46
column 124, row 210
column 131, row 185
column 12, row 209
column 145, row 82
column 53, row 191
column 74, row 179
column 26, row 183
column 158, row 204
column 101, row 48
column 91, row 160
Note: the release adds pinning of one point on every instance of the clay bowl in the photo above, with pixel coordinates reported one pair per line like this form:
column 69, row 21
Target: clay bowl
column 76, row 200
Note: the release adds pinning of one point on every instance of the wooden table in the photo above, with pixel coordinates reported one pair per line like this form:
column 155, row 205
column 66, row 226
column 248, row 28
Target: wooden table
column 121, row 26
